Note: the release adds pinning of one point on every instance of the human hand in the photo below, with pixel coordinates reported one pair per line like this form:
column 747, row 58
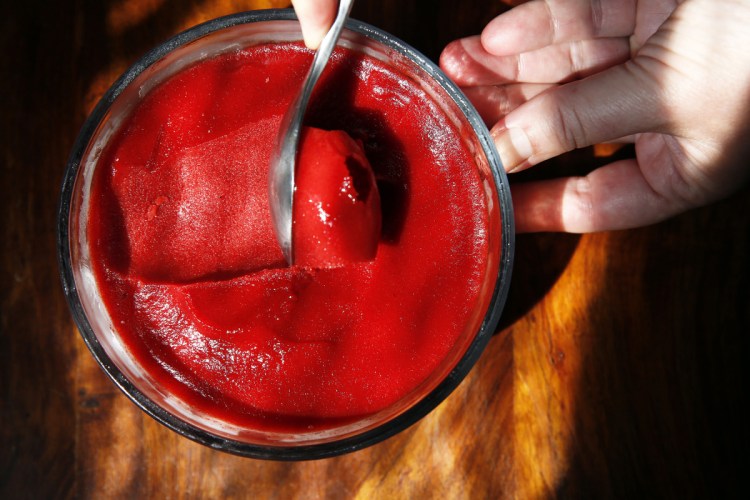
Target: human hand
column 672, row 76
column 316, row 18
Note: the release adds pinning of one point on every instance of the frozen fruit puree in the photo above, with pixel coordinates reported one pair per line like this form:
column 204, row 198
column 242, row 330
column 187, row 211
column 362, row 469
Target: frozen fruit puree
column 336, row 202
column 194, row 281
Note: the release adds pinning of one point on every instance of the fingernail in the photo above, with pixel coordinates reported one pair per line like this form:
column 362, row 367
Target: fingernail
column 514, row 148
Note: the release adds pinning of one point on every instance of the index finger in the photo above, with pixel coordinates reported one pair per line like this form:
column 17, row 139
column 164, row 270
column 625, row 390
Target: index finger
column 540, row 23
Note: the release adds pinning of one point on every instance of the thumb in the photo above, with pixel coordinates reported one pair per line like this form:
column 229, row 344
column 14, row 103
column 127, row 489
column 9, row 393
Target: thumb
column 618, row 102
column 316, row 18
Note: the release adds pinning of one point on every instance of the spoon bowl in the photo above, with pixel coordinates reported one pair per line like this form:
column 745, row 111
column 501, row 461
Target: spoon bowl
column 284, row 157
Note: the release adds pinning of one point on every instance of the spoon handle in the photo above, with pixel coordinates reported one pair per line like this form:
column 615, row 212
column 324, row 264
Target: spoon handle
column 323, row 54
column 281, row 190
column 293, row 119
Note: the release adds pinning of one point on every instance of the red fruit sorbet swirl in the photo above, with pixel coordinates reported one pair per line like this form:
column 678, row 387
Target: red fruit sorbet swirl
column 195, row 282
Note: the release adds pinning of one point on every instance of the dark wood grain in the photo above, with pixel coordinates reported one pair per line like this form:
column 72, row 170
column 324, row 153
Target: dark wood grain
column 618, row 371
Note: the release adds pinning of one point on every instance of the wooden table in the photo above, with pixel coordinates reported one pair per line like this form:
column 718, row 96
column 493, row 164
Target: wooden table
column 618, row 369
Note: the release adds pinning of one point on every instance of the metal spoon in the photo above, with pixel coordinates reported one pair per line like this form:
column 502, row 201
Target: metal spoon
column 284, row 156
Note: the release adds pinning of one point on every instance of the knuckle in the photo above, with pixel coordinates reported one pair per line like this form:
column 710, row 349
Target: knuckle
column 596, row 17
column 576, row 58
column 569, row 127
column 583, row 198
column 554, row 22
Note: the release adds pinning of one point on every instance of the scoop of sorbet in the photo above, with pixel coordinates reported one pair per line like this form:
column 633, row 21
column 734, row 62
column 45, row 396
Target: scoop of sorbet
column 336, row 202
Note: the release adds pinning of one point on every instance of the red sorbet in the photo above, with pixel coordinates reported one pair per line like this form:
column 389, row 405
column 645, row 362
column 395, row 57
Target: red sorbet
column 194, row 280
column 336, row 201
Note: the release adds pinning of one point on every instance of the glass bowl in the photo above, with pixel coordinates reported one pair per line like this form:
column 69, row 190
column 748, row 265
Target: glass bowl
column 96, row 326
